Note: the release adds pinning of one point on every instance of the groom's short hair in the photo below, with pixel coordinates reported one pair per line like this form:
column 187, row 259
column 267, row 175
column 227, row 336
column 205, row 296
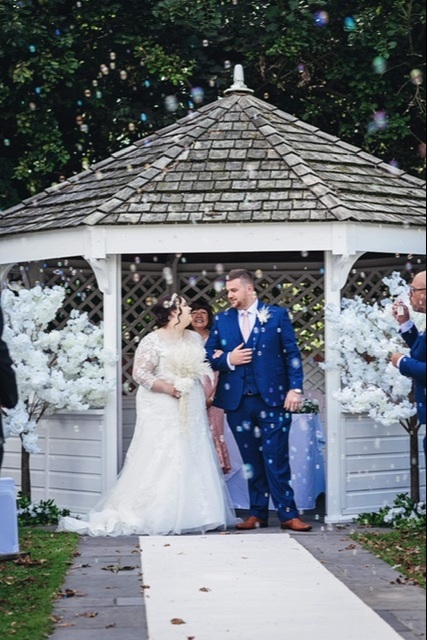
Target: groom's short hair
column 242, row 274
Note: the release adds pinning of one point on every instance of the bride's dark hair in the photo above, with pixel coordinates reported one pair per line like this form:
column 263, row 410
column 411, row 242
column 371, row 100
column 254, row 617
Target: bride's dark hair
column 164, row 307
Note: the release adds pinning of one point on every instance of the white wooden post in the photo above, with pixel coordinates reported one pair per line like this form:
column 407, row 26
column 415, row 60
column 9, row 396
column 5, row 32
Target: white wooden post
column 337, row 269
column 108, row 274
column 4, row 272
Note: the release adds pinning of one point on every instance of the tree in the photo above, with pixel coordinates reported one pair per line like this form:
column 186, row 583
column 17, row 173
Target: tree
column 80, row 80
column 367, row 338
column 56, row 369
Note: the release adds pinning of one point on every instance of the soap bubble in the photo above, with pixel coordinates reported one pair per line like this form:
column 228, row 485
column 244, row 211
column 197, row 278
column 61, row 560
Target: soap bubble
column 198, row 95
column 171, row 103
column 379, row 65
column 350, row 24
column 417, row 77
column 321, row 18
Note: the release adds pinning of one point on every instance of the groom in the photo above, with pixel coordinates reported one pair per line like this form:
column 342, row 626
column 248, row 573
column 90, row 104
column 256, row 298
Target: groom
column 254, row 348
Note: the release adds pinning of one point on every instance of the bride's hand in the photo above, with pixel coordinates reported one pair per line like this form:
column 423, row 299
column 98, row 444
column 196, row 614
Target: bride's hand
column 161, row 386
column 175, row 393
column 209, row 402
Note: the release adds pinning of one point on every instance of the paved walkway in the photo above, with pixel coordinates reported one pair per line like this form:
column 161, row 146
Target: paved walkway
column 105, row 594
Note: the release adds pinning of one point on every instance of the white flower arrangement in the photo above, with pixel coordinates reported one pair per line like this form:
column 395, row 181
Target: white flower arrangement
column 62, row 369
column 264, row 315
column 186, row 365
column 367, row 336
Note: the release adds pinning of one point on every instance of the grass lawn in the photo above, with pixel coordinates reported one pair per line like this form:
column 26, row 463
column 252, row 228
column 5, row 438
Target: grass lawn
column 29, row 586
column 403, row 550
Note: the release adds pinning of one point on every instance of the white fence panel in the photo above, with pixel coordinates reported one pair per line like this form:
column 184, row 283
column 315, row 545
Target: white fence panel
column 70, row 467
column 377, row 464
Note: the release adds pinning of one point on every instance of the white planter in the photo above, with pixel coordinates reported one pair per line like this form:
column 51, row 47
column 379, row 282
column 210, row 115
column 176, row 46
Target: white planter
column 71, row 470
column 376, row 464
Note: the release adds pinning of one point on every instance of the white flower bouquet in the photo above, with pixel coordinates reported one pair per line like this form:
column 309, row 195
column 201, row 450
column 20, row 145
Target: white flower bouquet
column 186, row 365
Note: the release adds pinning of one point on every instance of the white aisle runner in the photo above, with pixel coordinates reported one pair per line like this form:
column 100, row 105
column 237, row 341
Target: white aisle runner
column 248, row 587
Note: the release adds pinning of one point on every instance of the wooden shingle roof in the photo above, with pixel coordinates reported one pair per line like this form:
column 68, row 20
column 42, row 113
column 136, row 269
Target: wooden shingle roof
column 237, row 160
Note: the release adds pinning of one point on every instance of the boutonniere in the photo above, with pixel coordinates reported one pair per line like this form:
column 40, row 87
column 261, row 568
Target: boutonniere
column 264, row 315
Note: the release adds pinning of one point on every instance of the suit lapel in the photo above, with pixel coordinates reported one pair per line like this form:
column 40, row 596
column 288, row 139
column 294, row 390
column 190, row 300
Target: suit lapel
column 256, row 334
column 235, row 326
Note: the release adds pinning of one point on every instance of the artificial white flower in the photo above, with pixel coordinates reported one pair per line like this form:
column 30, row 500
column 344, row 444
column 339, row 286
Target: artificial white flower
column 60, row 369
column 367, row 336
column 187, row 365
column 264, row 315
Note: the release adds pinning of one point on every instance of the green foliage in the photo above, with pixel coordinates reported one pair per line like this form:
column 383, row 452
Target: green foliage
column 29, row 586
column 309, row 406
column 404, row 514
column 80, row 80
column 44, row 512
column 405, row 551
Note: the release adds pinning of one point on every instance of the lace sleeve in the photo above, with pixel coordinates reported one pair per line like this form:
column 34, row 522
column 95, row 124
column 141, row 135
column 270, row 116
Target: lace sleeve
column 146, row 363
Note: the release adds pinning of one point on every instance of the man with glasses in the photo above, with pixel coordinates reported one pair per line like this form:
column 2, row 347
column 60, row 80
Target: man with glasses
column 414, row 366
column 8, row 390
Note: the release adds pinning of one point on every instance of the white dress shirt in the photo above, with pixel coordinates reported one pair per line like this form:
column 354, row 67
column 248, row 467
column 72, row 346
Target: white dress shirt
column 252, row 317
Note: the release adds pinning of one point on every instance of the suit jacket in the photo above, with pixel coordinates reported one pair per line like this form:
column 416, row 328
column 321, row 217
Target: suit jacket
column 8, row 388
column 277, row 363
column 415, row 367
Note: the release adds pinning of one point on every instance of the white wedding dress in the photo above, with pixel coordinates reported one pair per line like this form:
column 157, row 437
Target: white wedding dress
column 171, row 482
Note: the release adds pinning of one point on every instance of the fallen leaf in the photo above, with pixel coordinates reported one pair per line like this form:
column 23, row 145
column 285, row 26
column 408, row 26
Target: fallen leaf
column 68, row 593
column 88, row 614
column 205, row 590
column 115, row 568
column 27, row 562
column 177, row 621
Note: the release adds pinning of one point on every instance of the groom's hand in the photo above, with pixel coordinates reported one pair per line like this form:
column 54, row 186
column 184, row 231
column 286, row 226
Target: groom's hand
column 241, row 356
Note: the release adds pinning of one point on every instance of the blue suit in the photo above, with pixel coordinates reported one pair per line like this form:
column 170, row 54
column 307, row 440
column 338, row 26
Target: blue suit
column 415, row 367
column 253, row 397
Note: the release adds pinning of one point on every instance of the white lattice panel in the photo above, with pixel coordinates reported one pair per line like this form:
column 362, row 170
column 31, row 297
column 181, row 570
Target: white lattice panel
column 299, row 286
column 300, row 289
column 77, row 278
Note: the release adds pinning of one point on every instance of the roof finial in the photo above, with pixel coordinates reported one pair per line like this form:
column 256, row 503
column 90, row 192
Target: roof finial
column 239, row 85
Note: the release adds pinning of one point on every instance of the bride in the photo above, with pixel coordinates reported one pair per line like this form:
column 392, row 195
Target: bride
column 171, row 482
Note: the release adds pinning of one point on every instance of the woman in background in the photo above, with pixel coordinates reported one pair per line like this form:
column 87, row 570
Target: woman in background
column 202, row 320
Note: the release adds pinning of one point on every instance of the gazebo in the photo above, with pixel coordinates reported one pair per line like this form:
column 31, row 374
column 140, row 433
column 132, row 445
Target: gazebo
column 237, row 182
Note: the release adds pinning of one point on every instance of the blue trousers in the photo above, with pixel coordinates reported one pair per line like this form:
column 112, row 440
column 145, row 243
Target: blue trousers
column 262, row 434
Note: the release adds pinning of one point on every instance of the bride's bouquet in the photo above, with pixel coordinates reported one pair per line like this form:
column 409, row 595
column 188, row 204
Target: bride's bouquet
column 187, row 365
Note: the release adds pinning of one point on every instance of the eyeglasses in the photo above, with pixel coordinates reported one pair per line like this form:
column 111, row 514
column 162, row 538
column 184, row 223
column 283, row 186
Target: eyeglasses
column 414, row 289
